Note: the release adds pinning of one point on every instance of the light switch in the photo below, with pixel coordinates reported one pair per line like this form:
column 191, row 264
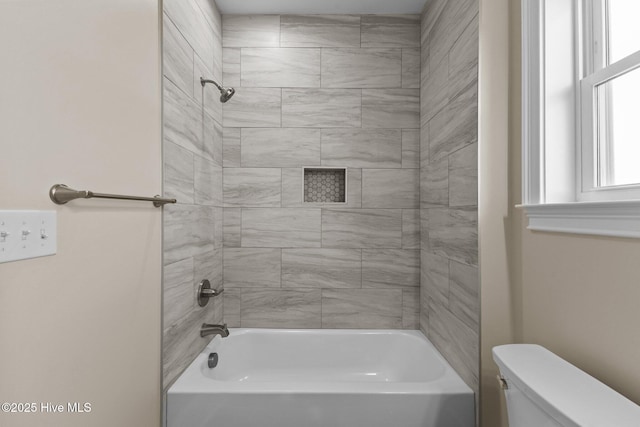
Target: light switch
column 27, row 234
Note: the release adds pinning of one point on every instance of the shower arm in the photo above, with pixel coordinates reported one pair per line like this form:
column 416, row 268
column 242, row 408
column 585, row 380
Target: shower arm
column 204, row 81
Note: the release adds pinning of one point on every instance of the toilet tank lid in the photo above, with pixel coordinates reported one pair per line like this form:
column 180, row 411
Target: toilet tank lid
column 563, row 390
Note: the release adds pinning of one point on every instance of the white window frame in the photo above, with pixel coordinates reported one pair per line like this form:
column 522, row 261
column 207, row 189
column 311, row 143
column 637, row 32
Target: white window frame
column 558, row 155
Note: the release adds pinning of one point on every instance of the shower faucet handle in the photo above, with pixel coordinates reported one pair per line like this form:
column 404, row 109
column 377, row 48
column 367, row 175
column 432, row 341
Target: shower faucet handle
column 205, row 292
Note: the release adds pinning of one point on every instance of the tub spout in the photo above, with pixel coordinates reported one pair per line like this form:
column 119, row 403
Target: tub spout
column 208, row 329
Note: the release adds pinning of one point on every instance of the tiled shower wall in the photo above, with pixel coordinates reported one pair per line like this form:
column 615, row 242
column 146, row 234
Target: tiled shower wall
column 192, row 153
column 449, row 303
column 321, row 91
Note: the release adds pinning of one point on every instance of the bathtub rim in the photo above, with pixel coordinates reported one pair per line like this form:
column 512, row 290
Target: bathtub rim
column 192, row 381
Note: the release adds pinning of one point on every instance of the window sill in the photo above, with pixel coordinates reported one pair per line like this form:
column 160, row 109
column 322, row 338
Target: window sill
column 617, row 219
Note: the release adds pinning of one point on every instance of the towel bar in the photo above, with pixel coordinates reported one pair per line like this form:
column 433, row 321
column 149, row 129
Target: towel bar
column 61, row 194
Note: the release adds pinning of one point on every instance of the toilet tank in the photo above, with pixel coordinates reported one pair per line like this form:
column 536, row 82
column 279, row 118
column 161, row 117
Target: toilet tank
column 544, row 390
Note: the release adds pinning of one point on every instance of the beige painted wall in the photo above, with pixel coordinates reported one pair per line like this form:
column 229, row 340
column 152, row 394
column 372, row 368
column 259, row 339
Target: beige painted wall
column 585, row 308
column 80, row 105
column 576, row 295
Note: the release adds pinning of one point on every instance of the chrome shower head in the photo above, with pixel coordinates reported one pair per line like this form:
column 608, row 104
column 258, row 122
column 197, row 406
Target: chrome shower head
column 225, row 93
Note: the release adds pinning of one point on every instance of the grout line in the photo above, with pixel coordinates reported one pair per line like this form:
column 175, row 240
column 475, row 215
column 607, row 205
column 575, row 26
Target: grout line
column 321, row 51
column 361, row 268
column 281, row 104
column 401, row 68
column 280, row 268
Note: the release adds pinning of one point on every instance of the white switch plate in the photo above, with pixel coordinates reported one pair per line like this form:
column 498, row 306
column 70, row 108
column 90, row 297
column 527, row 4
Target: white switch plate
column 27, row 234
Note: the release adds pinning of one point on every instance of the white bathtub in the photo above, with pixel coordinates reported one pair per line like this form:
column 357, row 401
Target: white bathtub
column 320, row 378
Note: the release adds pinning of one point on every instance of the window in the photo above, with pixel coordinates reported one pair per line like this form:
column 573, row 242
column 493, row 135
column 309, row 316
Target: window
column 581, row 129
column 610, row 97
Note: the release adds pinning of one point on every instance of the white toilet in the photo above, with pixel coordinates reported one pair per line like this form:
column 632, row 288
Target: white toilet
column 543, row 390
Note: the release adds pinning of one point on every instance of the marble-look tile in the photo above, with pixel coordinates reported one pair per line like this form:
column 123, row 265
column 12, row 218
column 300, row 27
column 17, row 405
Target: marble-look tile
column 321, row 108
column 231, row 67
column 424, row 63
column 362, row 148
column 361, row 68
column 425, row 70
column 182, row 122
column 463, row 176
column 282, row 228
column 455, row 127
column 390, row 188
column 435, row 89
column 362, row 308
column 212, row 140
column 177, row 173
column 207, row 182
column 252, row 187
column 410, row 148
column 292, row 183
column 275, row 67
column 423, row 95
column 411, row 68
column 434, row 278
column 320, row 31
column 232, row 298
column 178, row 297
column 210, row 109
column 390, row 31
column 188, row 231
column 388, row 268
column 424, row 297
column 282, row 308
column 217, row 217
column 449, row 26
column 391, row 108
column 207, row 96
column 253, row 107
column 212, row 15
column 231, row 148
column 250, row 30
column 424, row 145
column 454, row 233
column 463, row 61
column 431, row 15
column 217, row 54
column 424, row 229
column 458, row 343
column 214, row 310
column 464, row 300
column 177, row 58
column 192, row 233
column 231, row 227
column 410, row 229
column 361, row 228
column 321, row 268
column 411, row 308
column 281, row 147
column 181, row 343
column 248, row 267
column 424, row 322
column 434, row 184
column 208, row 266
column 192, row 24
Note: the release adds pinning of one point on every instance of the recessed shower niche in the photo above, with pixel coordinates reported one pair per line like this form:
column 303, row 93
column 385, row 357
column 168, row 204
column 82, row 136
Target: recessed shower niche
column 325, row 185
